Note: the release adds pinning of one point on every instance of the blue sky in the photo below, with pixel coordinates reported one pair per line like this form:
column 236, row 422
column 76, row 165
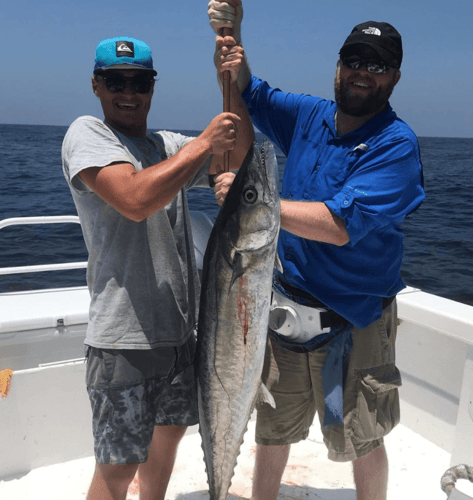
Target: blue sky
column 49, row 46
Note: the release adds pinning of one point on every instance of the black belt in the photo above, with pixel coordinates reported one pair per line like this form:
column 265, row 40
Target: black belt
column 328, row 318
column 387, row 301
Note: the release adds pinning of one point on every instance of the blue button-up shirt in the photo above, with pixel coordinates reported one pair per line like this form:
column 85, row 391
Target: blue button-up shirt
column 371, row 178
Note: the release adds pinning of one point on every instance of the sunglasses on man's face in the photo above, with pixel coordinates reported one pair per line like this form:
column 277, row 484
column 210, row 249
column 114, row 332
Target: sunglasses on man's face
column 140, row 84
column 375, row 66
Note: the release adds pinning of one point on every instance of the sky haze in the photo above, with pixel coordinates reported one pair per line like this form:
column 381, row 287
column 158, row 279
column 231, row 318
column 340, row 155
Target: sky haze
column 50, row 47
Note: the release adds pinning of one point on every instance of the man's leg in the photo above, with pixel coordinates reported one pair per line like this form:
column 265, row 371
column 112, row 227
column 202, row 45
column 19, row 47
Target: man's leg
column 269, row 468
column 287, row 375
column 176, row 410
column 155, row 473
column 111, row 482
column 123, row 400
column 371, row 475
column 369, row 413
column 371, row 470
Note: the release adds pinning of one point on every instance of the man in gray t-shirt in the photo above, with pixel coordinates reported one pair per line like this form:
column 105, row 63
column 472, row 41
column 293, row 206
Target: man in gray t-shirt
column 129, row 187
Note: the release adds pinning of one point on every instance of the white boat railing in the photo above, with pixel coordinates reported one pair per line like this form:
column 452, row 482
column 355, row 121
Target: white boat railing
column 55, row 219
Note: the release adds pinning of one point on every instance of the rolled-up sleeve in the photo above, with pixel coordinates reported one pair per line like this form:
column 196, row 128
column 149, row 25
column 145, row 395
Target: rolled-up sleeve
column 384, row 187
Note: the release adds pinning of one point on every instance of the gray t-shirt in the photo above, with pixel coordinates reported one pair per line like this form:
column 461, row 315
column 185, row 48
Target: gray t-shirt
column 142, row 276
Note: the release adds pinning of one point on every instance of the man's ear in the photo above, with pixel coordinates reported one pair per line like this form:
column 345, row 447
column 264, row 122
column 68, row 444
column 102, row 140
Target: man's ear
column 94, row 86
column 397, row 77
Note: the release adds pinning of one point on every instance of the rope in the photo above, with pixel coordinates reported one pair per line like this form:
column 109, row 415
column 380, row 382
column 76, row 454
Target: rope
column 450, row 477
column 226, row 100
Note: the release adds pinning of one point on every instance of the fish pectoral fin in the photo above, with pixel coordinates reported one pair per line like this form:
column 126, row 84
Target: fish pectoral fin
column 237, row 266
column 264, row 396
column 278, row 264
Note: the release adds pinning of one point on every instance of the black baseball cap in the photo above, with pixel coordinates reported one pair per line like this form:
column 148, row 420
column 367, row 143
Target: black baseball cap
column 382, row 37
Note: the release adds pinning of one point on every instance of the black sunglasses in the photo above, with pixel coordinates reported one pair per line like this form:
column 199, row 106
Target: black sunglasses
column 375, row 66
column 140, row 84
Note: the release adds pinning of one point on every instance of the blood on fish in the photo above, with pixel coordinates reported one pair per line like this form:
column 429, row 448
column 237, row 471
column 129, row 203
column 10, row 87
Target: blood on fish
column 243, row 305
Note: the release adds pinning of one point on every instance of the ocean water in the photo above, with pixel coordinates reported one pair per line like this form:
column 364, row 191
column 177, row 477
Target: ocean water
column 438, row 244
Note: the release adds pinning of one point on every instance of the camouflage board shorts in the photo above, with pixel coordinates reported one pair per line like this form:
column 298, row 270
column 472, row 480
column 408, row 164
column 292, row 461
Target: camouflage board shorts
column 131, row 391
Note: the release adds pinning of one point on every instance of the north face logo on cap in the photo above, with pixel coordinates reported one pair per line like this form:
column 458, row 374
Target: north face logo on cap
column 125, row 49
column 372, row 31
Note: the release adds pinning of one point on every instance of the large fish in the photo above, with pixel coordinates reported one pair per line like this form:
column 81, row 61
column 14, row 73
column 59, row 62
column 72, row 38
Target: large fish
column 234, row 313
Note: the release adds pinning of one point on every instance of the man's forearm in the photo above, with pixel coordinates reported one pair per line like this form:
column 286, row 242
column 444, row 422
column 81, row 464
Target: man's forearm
column 313, row 221
column 163, row 181
column 244, row 76
column 246, row 134
column 137, row 195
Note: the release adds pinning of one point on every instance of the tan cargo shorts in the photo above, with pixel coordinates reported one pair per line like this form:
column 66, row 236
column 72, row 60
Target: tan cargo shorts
column 370, row 393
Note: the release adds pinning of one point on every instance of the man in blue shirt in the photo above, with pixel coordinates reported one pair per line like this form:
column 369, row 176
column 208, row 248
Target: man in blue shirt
column 353, row 174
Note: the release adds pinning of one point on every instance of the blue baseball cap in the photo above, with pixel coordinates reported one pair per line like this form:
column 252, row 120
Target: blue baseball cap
column 123, row 53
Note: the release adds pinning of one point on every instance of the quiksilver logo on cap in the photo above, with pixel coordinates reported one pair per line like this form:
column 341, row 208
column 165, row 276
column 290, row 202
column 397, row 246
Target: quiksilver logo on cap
column 372, row 31
column 125, row 49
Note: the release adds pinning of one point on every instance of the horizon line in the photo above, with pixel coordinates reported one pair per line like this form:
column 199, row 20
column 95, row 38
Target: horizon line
column 199, row 131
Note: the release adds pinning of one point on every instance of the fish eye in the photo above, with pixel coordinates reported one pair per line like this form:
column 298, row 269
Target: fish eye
column 250, row 195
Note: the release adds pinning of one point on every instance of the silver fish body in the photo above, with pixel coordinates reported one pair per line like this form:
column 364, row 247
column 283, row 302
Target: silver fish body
column 234, row 313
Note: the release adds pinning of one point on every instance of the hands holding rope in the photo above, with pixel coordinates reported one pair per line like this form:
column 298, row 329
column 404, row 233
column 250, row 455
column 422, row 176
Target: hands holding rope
column 226, row 14
column 225, row 19
column 228, row 57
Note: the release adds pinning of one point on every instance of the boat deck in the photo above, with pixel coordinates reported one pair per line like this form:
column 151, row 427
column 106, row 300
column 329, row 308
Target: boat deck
column 415, row 467
column 45, row 418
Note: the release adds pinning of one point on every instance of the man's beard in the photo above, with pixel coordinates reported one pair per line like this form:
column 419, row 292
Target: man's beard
column 361, row 106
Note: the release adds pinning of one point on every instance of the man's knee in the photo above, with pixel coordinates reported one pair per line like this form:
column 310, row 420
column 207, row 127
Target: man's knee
column 116, row 476
column 167, row 435
column 376, row 457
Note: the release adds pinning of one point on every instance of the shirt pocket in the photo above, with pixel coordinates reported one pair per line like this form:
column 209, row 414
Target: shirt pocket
column 336, row 165
column 377, row 408
column 301, row 169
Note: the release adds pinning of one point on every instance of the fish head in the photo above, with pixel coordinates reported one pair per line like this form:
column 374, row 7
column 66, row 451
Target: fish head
column 250, row 217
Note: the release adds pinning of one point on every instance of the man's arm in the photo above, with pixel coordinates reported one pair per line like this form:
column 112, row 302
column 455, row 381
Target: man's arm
column 245, row 133
column 229, row 14
column 313, row 221
column 230, row 56
column 137, row 195
column 309, row 220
